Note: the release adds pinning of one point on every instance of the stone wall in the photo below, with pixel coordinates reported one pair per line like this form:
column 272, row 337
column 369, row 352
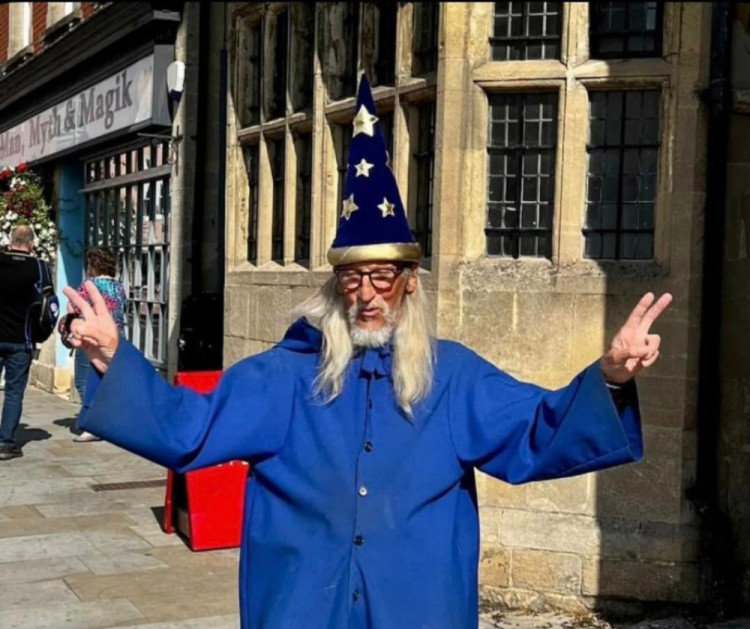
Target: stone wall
column 627, row 533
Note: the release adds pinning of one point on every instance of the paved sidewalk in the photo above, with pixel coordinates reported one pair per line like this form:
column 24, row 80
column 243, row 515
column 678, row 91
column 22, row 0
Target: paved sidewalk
column 76, row 558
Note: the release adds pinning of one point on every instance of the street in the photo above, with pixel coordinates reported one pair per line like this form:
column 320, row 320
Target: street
column 81, row 545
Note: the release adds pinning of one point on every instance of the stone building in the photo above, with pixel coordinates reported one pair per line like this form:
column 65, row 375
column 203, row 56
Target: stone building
column 553, row 159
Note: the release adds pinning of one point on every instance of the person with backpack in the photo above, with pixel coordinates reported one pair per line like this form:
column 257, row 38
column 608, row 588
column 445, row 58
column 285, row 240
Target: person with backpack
column 28, row 313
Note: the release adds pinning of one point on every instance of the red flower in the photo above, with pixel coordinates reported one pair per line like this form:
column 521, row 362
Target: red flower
column 22, row 167
column 5, row 173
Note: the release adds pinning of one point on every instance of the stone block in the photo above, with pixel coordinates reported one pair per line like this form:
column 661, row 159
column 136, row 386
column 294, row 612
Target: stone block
column 546, row 571
column 236, row 313
column 548, row 531
column 274, row 304
column 568, row 495
column 650, row 581
column 496, row 493
column 650, row 490
column 494, row 566
column 543, row 330
column 530, row 602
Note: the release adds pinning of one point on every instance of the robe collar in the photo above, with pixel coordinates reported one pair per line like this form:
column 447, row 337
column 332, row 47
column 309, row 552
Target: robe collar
column 305, row 338
column 377, row 361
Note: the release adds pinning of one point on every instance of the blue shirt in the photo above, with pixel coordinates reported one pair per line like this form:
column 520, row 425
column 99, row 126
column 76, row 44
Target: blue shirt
column 355, row 515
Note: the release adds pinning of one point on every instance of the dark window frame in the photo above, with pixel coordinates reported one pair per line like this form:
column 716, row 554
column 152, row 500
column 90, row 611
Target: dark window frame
column 303, row 211
column 277, row 161
column 384, row 65
column 277, row 104
column 255, row 71
column 425, row 37
column 509, row 238
column 595, row 35
column 424, row 158
column 524, row 39
column 643, row 226
column 252, row 154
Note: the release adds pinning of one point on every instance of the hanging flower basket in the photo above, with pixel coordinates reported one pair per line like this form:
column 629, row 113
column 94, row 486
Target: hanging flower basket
column 22, row 203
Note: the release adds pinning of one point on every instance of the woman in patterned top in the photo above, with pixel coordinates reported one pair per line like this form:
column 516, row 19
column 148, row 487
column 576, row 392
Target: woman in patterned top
column 101, row 267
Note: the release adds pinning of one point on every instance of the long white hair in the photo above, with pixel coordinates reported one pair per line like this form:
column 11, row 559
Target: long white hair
column 413, row 344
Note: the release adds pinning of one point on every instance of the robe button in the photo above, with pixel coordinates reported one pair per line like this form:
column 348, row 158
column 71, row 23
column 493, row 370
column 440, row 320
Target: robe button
column 355, row 594
column 359, row 540
column 368, row 446
column 362, row 491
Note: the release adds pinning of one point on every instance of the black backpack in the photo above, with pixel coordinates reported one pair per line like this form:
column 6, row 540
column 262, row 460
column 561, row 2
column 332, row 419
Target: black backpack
column 43, row 313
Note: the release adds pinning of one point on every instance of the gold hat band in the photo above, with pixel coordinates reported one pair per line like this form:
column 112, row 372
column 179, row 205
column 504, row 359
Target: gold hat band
column 409, row 251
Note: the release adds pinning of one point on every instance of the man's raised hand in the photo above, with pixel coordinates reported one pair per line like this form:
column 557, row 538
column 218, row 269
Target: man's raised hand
column 633, row 347
column 95, row 331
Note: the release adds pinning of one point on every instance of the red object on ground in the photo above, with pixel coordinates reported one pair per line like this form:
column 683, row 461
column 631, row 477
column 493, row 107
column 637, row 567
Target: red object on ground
column 207, row 507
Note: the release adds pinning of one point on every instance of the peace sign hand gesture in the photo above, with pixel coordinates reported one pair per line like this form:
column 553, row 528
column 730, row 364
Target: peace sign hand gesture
column 633, row 348
column 95, row 331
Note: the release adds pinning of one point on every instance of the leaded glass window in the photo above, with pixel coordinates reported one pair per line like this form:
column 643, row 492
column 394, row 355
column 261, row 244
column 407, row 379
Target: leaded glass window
column 623, row 149
column 521, row 174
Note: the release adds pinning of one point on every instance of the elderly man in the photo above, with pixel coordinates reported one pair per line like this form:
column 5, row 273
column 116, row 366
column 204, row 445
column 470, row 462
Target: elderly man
column 364, row 432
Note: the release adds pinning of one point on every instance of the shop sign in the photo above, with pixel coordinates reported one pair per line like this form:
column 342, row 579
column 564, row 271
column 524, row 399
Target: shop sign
column 118, row 102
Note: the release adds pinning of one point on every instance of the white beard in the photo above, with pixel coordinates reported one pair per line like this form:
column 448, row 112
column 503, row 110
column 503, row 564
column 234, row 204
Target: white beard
column 371, row 338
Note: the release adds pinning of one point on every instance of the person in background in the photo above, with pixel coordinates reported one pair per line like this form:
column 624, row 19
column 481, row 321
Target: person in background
column 101, row 268
column 19, row 272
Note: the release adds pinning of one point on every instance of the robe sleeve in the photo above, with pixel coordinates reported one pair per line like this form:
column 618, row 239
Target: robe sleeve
column 245, row 418
column 520, row 432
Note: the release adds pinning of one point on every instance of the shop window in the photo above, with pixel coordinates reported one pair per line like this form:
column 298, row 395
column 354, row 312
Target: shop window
column 521, row 174
column 303, row 146
column 623, row 149
column 127, row 208
column 425, row 25
column 423, row 172
column 252, row 158
column 625, row 29
column 526, row 30
column 276, row 156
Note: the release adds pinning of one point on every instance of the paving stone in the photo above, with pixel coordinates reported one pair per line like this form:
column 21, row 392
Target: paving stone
column 231, row 621
column 40, row 569
column 41, row 546
column 15, row 595
column 96, row 615
column 193, row 603
column 117, row 563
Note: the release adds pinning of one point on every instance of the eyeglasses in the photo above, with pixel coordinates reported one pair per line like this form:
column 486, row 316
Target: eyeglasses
column 381, row 279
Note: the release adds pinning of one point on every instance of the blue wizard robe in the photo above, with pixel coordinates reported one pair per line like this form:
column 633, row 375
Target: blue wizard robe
column 356, row 515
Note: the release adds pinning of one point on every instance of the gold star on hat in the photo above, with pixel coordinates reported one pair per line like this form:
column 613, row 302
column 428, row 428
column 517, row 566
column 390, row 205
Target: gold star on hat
column 364, row 122
column 363, row 168
column 349, row 207
column 387, row 208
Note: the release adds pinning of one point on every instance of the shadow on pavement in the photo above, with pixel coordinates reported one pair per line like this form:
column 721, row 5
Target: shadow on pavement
column 24, row 434
column 69, row 423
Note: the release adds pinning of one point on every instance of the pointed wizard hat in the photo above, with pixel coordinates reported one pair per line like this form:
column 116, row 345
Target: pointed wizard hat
column 372, row 221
